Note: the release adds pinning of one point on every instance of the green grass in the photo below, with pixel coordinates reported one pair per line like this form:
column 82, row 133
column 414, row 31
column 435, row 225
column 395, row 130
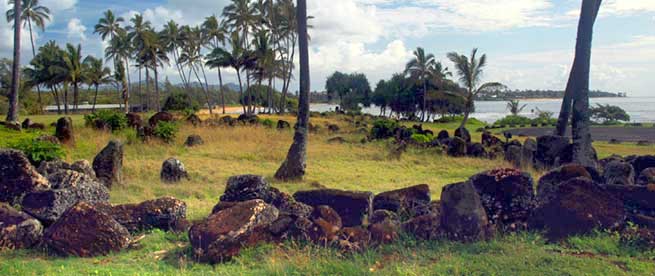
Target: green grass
column 355, row 166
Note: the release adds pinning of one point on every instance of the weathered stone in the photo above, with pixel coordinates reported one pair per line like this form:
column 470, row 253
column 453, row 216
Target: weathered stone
column 194, row 120
column 160, row 117
column 222, row 235
column 166, row 213
column 381, row 215
column 619, row 173
column 476, row 150
column 464, row 217
column 248, row 119
column 83, row 166
column 637, row 199
column 464, row 134
column 283, row 124
column 193, row 140
column 68, row 188
column 426, row 227
column 108, row 164
column 327, row 224
column 457, row 147
column 352, row 206
column 26, row 123
column 248, row 187
column 386, row 231
column 507, row 196
column 549, row 183
column 172, row 170
column 578, row 207
column 64, row 130
column 84, row 231
column 133, row 120
column 353, row 239
column 646, row 177
column 528, row 152
column 228, row 121
column 443, row 135
column 48, row 139
column 640, row 163
column 18, row 177
column 550, row 150
column 403, row 201
column 18, row 230
column 513, row 155
column 489, row 140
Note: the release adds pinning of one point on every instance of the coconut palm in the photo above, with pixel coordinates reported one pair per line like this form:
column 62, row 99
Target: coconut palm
column 470, row 74
column 421, row 69
column 214, row 34
column 33, row 14
column 120, row 49
column 135, row 33
column 191, row 56
column 266, row 63
column 96, row 74
column 153, row 55
column 109, row 26
column 12, row 114
column 171, row 39
column 515, row 107
column 74, row 69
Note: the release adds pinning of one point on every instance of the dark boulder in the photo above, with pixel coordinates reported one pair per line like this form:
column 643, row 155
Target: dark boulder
column 636, row 199
column 222, row 235
column 134, row 120
column 507, row 196
column 513, row 155
column 353, row 207
column 64, row 130
column 426, row 227
column 476, row 150
column 550, row 150
column 464, row 134
column 640, row 163
column 18, row 230
column 353, row 239
column 248, row 119
column 228, row 121
column 193, row 140
column 160, row 117
column 381, row 215
column 443, row 135
column 283, row 125
column 578, row 207
column 489, row 140
column 194, row 120
column 47, row 168
column 166, row 213
column 145, row 132
column 84, row 231
column 463, row 216
column 549, row 183
column 528, row 152
column 172, row 170
column 619, row 173
column 403, row 201
column 248, row 187
column 457, row 147
column 27, row 123
column 68, row 188
column 646, row 177
column 108, row 164
column 326, row 225
column 18, row 177
column 383, row 232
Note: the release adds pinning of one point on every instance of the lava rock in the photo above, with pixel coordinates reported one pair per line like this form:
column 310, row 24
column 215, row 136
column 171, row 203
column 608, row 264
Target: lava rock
column 641, row 163
column 108, row 164
column 550, row 149
column 194, row 120
column 381, row 215
column 464, row 134
column 166, row 213
column 353, row 207
column 283, row 124
column 528, row 152
column 457, row 147
column 426, row 227
column 513, row 155
column 193, row 140
column 248, row 187
column 619, row 173
column 248, row 119
column 18, row 177
column 85, row 231
column 353, row 239
column 160, row 117
column 383, row 232
column 549, row 183
column 637, row 199
column 476, row 150
column 403, row 201
column 134, row 120
column 222, row 235
column 646, row 177
column 172, row 171
column 64, row 130
column 443, row 135
column 464, row 218
column 489, row 140
column 18, row 230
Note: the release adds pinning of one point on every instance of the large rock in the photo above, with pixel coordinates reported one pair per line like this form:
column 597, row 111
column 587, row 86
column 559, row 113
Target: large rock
column 476, row 150
column 637, row 199
column 464, row 217
column 108, row 164
column 619, row 173
column 68, row 188
column 283, row 124
column 464, row 134
column 646, row 177
column 386, row 231
column 134, row 120
column 443, row 135
column 507, row 196
column 354, row 239
column 18, row 177
column 404, row 201
column 641, row 163
column 64, row 130
column 513, row 155
column 353, row 207
column 85, row 231
column 18, row 230
column 549, row 183
column 578, row 207
column 193, row 141
column 166, row 213
column 248, row 187
column 172, row 170
column 160, row 117
column 47, row 168
column 223, row 235
column 550, row 150
column 489, row 140
column 456, row 147
column 426, row 227
column 528, row 152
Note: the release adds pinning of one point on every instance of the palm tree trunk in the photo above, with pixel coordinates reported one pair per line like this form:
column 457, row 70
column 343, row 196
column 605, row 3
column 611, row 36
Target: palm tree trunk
column 467, row 111
column 425, row 99
column 55, row 94
column 289, row 72
column 147, row 94
column 12, row 114
column 95, row 99
column 66, row 99
column 75, row 96
column 38, row 87
column 294, row 166
column 220, row 89
column 565, row 111
column 139, row 89
column 157, row 98
column 210, row 103
column 127, row 87
column 243, row 104
column 269, row 101
column 583, row 151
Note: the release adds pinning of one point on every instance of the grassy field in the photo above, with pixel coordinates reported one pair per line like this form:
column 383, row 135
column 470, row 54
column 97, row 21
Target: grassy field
column 353, row 166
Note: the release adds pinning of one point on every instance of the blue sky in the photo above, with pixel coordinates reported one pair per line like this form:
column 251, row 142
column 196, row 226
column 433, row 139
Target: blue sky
column 529, row 43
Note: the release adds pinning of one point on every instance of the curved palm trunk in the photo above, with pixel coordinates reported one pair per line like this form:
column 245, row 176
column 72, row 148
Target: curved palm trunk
column 147, row 94
column 583, row 152
column 269, row 93
column 157, row 98
column 294, row 166
column 127, row 87
column 220, row 89
column 210, row 103
column 467, row 111
column 12, row 114
column 95, row 99
column 38, row 87
column 76, row 93
column 55, row 94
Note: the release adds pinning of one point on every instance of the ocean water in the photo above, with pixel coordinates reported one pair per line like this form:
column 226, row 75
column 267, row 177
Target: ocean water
column 640, row 109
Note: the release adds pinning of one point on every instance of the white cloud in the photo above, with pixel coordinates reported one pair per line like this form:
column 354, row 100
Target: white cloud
column 628, row 6
column 59, row 5
column 75, row 29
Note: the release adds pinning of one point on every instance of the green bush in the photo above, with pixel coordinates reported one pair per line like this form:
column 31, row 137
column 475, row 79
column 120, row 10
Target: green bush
column 383, row 129
column 267, row 123
column 166, row 131
column 422, row 138
column 513, row 120
column 116, row 120
column 38, row 151
column 179, row 102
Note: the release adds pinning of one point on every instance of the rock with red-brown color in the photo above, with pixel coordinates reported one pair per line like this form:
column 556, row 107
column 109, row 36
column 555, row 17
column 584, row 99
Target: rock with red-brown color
column 108, row 164
column 489, row 140
column 463, row 215
column 134, row 120
column 426, row 227
column 18, row 230
column 456, row 147
column 646, row 177
column 166, row 213
column 222, row 235
column 160, row 117
column 619, row 173
column 248, row 187
column 64, row 130
column 640, row 163
column 578, row 207
column 18, row 177
column 507, row 196
column 386, row 231
column 381, row 215
column 403, row 201
column 549, row 183
column 353, row 239
column 353, row 207
column 637, row 199
column 85, row 231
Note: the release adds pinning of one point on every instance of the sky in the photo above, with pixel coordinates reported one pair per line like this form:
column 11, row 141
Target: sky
column 529, row 43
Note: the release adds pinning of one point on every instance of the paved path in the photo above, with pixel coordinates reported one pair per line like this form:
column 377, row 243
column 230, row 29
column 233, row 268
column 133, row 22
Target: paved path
column 623, row 134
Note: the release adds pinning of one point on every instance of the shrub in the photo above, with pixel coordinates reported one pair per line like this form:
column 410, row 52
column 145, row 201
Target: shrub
column 116, row 120
column 38, row 151
column 267, row 123
column 383, row 129
column 514, row 120
column 422, row 138
column 609, row 114
column 166, row 131
column 179, row 102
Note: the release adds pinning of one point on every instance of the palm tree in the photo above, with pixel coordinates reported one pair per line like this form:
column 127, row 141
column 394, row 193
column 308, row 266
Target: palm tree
column 515, row 107
column 266, row 63
column 153, row 55
column 96, row 74
column 12, row 114
column 421, row 69
column 214, row 33
column 74, row 69
column 171, row 39
column 32, row 12
column 135, row 33
column 120, row 49
column 470, row 75
column 109, row 25
column 191, row 56
column 296, row 162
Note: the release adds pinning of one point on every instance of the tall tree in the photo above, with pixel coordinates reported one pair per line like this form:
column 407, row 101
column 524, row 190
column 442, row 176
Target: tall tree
column 296, row 162
column 109, row 27
column 96, row 74
column 421, row 69
column 171, row 38
column 215, row 37
column 12, row 114
column 191, row 56
column 583, row 151
column 119, row 50
column 74, row 70
column 470, row 74
column 32, row 14
column 153, row 55
column 135, row 33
